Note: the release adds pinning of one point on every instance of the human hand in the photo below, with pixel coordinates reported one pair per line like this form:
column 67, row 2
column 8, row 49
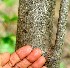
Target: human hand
column 24, row 57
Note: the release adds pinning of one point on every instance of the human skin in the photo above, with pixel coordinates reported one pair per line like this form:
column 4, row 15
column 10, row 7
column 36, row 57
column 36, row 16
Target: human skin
column 25, row 57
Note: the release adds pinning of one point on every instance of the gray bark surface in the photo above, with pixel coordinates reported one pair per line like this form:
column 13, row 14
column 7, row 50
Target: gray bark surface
column 35, row 23
column 35, row 27
column 55, row 57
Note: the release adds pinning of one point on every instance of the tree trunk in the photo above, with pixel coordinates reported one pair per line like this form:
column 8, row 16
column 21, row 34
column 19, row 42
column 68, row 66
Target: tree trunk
column 35, row 23
column 35, row 27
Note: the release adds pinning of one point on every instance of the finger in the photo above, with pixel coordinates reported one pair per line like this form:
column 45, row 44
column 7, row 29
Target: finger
column 5, row 58
column 24, row 51
column 14, row 59
column 29, row 67
column 44, row 67
column 34, row 55
column 23, row 64
column 39, row 63
column 0, row 62
column 0, row 66
column 7, row 66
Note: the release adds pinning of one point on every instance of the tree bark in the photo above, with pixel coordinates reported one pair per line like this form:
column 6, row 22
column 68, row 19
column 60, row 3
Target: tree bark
column 35, row 27
column 35, row 24
column 56, row 54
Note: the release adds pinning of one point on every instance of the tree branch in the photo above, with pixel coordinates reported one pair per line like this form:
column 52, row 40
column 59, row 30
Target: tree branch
column 54, row 61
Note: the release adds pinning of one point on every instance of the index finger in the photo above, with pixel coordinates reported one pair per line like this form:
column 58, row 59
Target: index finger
column 24, row 51
column 20, row 54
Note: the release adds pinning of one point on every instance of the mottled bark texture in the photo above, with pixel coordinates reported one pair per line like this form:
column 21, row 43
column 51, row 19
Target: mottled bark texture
column 55, row 57
column 35, row 27
column 35, row 23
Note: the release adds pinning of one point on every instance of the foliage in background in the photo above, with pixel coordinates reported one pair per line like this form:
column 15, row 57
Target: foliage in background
column 7, row 43
column 7, row 18
column 62, row 65
column 9, row 2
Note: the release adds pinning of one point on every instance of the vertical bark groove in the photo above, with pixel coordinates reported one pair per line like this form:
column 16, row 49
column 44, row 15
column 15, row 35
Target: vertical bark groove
column 55, row 57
